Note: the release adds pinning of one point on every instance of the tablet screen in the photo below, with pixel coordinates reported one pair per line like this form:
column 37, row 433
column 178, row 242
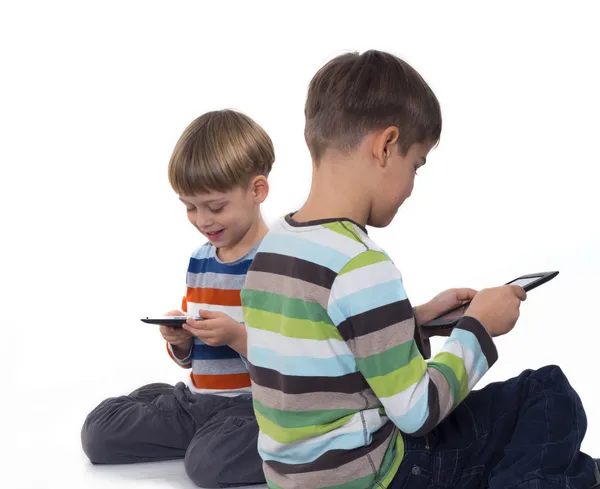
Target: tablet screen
column 523, row 282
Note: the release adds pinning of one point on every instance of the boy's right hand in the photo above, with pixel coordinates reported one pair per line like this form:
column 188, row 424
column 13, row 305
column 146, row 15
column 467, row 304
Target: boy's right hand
column 179, row 338
column 497, row 309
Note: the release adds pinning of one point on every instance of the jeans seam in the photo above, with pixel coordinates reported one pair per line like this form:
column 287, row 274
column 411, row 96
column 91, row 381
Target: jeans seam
column 547, row 429
column 477, row 437
column 579, row 437
column 538, row 478
column 454, row 474
column 483, row 435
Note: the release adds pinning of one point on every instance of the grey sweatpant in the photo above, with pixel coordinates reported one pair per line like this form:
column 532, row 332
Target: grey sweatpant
column 215, row 435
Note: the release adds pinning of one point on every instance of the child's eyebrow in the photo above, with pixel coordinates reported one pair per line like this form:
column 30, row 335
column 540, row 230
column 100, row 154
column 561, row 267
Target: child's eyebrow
column 219, row 200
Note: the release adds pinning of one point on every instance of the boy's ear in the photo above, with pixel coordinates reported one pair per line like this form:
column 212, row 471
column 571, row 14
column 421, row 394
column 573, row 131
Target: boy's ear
column 259, row 186
column 384, row 143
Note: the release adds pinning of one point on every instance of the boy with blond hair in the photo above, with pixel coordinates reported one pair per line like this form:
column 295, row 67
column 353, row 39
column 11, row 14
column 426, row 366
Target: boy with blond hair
column 342, row 393
column 219, row 169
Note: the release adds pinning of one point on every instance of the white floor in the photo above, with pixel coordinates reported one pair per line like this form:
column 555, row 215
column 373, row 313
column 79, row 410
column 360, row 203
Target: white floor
column 40, row 434
column 155, row 475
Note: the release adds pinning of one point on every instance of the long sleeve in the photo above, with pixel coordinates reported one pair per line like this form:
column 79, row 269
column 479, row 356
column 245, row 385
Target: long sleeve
column 369, row 306
column 183, row 362
column 187, row 361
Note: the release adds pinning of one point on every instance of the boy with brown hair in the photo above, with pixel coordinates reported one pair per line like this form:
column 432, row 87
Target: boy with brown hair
column 219, row 169
column 342, row 393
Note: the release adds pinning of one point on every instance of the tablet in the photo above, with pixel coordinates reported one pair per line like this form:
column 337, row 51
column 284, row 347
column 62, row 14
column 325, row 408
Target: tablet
column 527, row 282
column 172, row 321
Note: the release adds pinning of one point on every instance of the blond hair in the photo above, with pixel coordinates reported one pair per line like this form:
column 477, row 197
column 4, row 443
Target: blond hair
column 219, row 151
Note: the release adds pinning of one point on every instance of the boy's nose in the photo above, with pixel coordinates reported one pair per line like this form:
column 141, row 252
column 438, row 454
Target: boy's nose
column 203, row 222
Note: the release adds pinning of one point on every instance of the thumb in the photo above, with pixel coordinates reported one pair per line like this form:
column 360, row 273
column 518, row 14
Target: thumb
column 174, row 313
column 464, row 295
column 520, row 292
column 209, row 314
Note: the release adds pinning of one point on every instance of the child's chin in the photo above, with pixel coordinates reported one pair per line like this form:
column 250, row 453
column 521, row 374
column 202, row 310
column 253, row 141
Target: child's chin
column 380, row 222
column 221, row 243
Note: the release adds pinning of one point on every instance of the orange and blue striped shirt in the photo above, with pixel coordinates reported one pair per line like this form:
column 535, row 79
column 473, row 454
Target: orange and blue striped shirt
column 215, row 285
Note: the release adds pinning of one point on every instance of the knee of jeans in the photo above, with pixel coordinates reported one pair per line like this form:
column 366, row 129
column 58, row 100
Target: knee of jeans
column 551, row 373
column 94, row 441
column 201, row 468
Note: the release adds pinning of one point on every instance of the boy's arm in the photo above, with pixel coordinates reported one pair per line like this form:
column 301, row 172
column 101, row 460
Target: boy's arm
column 182, row 356
column 179, row 357
column 369, row 306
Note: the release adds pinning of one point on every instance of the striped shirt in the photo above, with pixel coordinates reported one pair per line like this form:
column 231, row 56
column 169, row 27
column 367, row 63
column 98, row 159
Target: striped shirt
column 337, row 374
column 214, row 285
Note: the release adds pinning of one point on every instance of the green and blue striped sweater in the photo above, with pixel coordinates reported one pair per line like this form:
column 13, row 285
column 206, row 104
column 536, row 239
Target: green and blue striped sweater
column 337, row 375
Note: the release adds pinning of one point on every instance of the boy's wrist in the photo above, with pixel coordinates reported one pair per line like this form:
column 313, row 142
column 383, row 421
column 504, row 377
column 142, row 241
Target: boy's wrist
column 423, row 314
column 182, row 351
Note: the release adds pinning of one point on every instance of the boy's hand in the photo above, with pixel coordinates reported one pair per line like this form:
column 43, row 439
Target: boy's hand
column 442, row 303
column 497, row 309
column 179, row 338
column 217, row 329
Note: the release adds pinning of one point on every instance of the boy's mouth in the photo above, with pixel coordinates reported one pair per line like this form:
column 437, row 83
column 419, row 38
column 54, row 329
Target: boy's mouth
column 214, row 235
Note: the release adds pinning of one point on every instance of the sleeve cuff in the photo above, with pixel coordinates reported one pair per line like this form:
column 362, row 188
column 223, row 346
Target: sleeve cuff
column 246, row 362
column 184, row 362
column 488, row 348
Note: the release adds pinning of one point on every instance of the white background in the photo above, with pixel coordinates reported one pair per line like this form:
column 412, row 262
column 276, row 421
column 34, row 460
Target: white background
column 94, row 96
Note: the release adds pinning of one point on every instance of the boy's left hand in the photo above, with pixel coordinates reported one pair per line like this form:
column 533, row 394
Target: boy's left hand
column 216, row 329
column 442, row 303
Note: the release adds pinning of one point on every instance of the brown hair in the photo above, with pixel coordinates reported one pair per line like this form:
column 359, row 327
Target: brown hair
column 354, row 94
column 219, row 151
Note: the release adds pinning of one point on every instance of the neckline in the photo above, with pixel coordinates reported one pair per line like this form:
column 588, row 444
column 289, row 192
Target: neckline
column 289, row 218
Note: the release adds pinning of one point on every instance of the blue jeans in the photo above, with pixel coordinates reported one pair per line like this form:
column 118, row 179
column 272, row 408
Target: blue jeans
column 523, row 433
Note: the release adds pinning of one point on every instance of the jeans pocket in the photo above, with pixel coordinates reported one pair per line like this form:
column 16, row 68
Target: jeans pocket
column 418, row 478
column 413, row 472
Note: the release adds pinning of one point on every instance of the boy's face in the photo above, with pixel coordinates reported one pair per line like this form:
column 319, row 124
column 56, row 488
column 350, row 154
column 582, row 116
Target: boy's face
column 395, row 180
column 225, row 218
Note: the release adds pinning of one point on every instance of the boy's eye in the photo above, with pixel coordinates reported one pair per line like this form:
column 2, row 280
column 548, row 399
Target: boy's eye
column 216, row 210
column 190, row 209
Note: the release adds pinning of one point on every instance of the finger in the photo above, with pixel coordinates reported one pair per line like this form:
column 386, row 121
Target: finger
column 167, row 330
column 195, row 331
column 173, row 333
column 206, row 314
column 465, row 294
column 196, row 324
column 202, row 334
column 210, row 314
column 174, row 313
column 519, row 292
